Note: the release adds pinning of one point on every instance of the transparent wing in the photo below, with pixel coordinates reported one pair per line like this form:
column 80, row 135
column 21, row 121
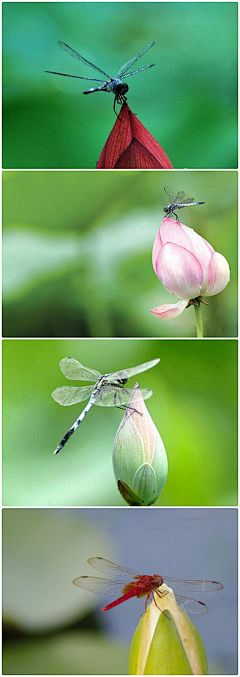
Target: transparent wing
column 67, row 395
column 180, row 197
column 129, row 63
column 191, row 606
column 138, row 71
column 81, row 58
column 110, row 396
column 107, row 567
column 170, row 194
column 126, row 373
column 66, row 75
column 74, row 370
column 199, row 586
column 100, row 586
column 187, row 200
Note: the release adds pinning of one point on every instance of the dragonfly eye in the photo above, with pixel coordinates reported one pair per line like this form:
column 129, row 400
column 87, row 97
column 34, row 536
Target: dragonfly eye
column 122, row 88
column 123, row 381
column 165, row 209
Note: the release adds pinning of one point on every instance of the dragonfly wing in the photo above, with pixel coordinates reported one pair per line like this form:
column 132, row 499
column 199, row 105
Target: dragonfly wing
column 81, row 58
column 198, row 586
column 170, row 194
column 126, row 373
column 67, row 395
column 107, row 567
column 180, row 197
column 138, row 70
column 112, row 396
column 187, row 200
column 101, row 586
column 191, row 606
column 79, row 77
column 74, row 370
column 129, row 63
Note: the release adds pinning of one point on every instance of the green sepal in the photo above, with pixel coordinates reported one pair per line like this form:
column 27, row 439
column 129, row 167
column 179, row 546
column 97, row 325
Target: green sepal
column 128, row 494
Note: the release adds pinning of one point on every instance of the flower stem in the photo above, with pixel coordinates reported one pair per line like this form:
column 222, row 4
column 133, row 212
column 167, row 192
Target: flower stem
column 198, row 320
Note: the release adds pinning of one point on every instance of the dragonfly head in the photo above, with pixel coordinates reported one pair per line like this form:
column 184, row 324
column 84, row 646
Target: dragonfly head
column 122, row 381
column 121, row 89
column 165, row 209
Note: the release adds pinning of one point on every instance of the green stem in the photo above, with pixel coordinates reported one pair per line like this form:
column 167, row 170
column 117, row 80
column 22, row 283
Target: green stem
column 198, row 320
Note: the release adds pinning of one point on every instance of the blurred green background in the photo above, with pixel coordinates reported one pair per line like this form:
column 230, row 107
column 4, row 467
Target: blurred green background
column 194, row 407
column 77, row 252
column 52, row 627
column 188, row 101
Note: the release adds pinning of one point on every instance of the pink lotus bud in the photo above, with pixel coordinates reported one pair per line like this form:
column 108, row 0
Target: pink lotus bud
column 187, row 266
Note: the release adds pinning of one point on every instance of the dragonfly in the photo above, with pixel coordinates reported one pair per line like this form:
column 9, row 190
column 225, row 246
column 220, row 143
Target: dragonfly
column 178, row 202
column 108, row 389
column 133, row 584
column 114, row 85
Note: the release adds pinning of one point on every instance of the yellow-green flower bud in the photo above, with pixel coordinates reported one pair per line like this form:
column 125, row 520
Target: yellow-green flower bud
column 139, row 456
column 166, row 643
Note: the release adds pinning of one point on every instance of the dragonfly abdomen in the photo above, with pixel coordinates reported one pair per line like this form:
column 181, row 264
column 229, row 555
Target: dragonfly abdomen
column 95, row 89
column 124, row 598
column 74, row 426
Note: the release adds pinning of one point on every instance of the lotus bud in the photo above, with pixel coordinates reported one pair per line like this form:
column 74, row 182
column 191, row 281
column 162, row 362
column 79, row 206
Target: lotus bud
column 131, row 146
column 139, row 456
column 166, row 642
column 187, row 266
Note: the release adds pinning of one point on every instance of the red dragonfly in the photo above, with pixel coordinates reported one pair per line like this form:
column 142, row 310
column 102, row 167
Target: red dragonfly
column 133, row 584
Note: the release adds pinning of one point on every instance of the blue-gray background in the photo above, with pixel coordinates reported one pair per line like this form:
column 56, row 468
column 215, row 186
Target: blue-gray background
column 59, row 628
column 188, row 101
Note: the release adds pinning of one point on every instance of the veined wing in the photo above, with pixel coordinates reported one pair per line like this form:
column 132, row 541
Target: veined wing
column 199, row 586
column 107, row 567
column 126, row 373
column 170, row 194
column 101, row 586
column 112, row 396
column 129, row 63
column 74, row 370
column 81, row 58
column 79, row 77
column 191, row 606
column 187, row 200
column 138, row 70
column 180, row 197
column 67, row 395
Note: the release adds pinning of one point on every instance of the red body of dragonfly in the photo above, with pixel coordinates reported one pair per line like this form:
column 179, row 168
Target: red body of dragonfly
column 133, row 584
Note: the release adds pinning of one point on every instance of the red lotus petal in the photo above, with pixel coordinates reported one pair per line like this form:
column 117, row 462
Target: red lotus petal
column 131, row 146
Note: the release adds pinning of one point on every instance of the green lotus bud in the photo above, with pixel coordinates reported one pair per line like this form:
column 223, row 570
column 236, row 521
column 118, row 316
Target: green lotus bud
column 139, row 456
column 166, row 643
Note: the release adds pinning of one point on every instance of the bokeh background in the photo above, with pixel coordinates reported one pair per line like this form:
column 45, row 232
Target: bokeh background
column 194, row 406
column 77, row 251
column 53, row 627
column 188, row 101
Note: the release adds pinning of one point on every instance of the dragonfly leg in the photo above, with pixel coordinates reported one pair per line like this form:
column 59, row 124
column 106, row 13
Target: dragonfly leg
column 114, row 106
column 162, row 595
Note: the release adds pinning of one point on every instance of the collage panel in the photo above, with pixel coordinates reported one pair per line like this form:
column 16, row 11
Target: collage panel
column 87, row 254
column 178, row 110
column 54, row 627
column 171, row 441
